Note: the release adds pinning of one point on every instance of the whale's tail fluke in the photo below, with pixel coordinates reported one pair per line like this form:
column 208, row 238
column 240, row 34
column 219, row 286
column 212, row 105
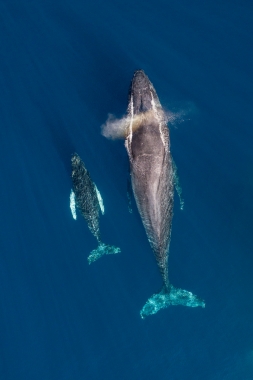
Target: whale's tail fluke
column 167, row 297
column 102, row 249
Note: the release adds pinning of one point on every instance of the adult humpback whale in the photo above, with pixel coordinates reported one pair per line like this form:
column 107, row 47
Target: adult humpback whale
column 153, row 179
column 88, row 200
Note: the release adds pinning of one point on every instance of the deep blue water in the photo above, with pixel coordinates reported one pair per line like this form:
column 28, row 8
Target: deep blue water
column 64, row 65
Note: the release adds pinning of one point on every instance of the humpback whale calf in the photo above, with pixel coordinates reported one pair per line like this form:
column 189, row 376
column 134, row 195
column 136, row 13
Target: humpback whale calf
column 153, row 179
column 88, row 200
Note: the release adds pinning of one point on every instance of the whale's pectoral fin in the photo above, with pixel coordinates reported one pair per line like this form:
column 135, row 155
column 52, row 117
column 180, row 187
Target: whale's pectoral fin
column 73, row 203
column 177, row 184
column 100, row 200
column 102, row 249
column 129, row 196
column 168, row 297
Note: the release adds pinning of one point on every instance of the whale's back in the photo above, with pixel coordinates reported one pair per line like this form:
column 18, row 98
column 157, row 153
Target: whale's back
column 86, row 195
column 153, row 187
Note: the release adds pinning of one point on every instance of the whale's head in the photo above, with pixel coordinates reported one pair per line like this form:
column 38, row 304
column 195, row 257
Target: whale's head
column 141, row 93
column 75, row 159
column 144, row 107
column 76, row 163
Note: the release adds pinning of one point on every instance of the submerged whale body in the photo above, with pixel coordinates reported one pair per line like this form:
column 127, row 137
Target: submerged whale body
column 153, row 178
column 89, row 202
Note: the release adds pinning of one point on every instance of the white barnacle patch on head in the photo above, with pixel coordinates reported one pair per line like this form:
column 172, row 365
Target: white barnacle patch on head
column 73, row 204
column 100, row 200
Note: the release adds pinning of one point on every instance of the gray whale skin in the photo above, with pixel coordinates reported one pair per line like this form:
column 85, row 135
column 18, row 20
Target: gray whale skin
column 88, row 204
column 153, row 179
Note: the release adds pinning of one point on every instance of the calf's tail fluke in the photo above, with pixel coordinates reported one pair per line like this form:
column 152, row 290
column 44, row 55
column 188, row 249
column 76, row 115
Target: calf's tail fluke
column 170, row 296
column 102, row 249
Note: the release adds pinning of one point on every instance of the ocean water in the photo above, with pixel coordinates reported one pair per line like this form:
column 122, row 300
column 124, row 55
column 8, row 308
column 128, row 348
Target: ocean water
column 65, row 65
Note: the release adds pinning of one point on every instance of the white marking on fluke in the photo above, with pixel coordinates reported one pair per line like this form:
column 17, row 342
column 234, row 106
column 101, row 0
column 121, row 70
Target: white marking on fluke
column 73, row 204
column 100, row 200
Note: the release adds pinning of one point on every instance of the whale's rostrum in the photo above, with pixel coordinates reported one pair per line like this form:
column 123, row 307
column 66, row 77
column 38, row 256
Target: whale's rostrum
column 153, row 177
column 88, row 200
